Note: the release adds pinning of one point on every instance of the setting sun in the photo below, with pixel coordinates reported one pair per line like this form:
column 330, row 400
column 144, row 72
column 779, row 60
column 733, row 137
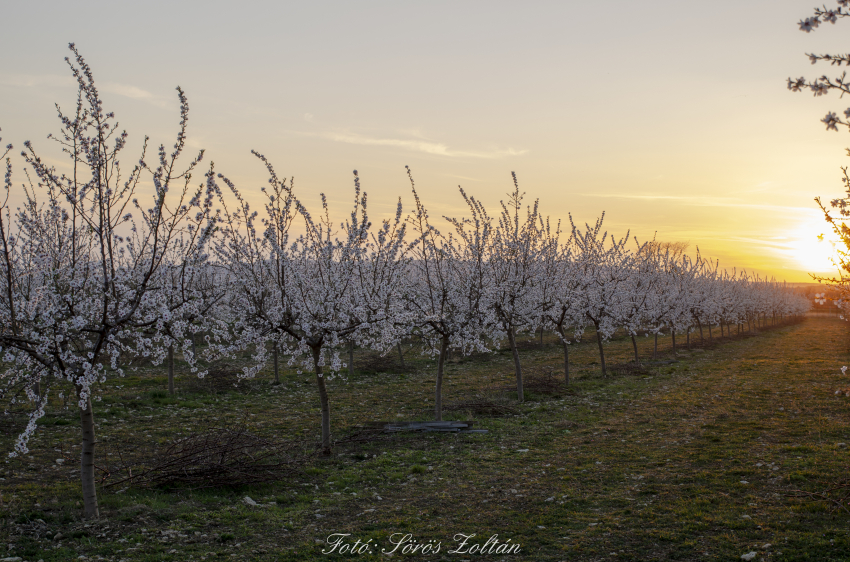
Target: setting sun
column 812, row 246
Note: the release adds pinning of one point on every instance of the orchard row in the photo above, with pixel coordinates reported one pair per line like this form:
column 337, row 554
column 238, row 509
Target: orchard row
column 92, row 273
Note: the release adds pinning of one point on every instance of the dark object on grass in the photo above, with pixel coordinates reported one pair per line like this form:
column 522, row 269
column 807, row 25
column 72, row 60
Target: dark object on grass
column 219, row 457
column 441, row 426
column 836, row 495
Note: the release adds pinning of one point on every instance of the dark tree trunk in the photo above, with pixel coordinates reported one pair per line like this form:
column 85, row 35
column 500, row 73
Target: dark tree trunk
column 688, row 337
column 566, row 356
column 601, row 350
column 673, row 333
column 400, row 355
column 517, row 366
column 710, row 336
column 194, row 348
column 276, row 369
column 87, row 461
column 634, row 344
column 171, row 370
column 655, row 349
column 438, row 390
column 351, row 358
column 541, row 337
column 323, row 398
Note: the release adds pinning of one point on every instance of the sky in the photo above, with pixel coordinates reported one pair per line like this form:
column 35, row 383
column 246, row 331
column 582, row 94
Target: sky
column 671, row 117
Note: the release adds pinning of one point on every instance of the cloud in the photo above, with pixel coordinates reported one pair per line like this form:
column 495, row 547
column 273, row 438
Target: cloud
column 133, row 92
column 416, row 145
column 33, row 80
column 58, row 81
column 701, row 201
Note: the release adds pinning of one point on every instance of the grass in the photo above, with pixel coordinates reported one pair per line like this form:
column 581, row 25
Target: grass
column 693, row 460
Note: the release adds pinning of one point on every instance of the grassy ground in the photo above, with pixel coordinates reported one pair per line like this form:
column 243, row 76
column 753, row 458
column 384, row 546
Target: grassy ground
column 694, row 460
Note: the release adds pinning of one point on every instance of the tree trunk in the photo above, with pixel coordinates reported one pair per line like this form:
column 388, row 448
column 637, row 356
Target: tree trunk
column 601, row 351
column 438, row 390
column 171, row 370
column 351, row 358
column 541, row 337
column 673, row 333
column 323, row 398
column 87, row 461
column 655, row 349
column 634, row 344
column 517, row 366
column 194, row 348
column 276, row 370
column 688, row 337
column 566, row 356
column 710, row 336
column 400, row 355
column 701, row 339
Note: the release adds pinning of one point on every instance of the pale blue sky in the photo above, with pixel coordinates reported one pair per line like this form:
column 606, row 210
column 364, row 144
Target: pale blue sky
column 671, row 116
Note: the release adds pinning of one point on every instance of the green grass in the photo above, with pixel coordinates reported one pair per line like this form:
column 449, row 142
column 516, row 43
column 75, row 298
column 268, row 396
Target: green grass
column 632, row 467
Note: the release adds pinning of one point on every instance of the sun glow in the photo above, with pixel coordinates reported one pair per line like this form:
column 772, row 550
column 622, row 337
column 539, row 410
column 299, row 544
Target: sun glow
column 813, row 246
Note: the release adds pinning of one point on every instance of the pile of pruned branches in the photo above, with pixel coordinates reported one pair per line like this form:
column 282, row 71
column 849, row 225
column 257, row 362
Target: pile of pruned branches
column 216, row 458
column 836, row 495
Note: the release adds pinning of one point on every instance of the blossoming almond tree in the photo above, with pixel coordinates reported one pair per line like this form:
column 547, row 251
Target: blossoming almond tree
column 80, row 273
column 560, row 294
column 604, row 264
column 310, row 295
column 515, row 267
column 449, row 285
column 191, row 301
column 637, row 290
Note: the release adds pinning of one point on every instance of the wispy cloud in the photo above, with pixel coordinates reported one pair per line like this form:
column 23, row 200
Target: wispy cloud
column 702, row 201
column 133, row 92
column 33, row 80
column 57, row 81
column 416, row 145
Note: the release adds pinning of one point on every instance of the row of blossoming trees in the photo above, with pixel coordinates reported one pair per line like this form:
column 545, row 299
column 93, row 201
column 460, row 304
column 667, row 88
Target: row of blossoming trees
column 93, row 273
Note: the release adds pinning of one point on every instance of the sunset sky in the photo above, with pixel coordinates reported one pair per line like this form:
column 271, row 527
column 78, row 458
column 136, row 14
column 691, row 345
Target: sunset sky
column 672, row 117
